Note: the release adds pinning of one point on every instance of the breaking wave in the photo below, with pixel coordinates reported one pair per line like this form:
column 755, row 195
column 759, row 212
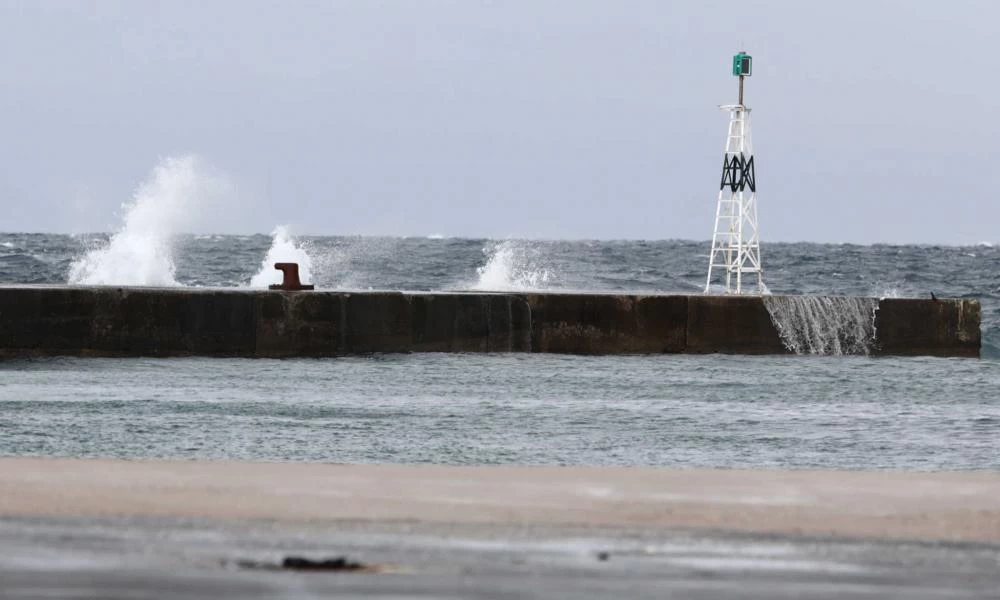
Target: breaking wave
column 141, row 252
column 511, row 266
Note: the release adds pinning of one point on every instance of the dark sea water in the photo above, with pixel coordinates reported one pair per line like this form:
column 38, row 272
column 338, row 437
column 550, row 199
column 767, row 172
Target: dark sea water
column 680, row 411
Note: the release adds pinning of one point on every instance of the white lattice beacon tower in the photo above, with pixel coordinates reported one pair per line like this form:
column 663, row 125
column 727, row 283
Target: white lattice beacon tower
column 735, row 256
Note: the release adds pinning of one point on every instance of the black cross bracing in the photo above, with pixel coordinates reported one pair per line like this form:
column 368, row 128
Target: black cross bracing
column 738, row 173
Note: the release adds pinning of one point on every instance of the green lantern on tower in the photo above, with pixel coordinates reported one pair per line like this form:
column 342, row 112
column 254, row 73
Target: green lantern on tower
column 742, row 65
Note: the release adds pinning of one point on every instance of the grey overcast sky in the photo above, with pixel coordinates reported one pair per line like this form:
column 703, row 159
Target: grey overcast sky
column 874, row 121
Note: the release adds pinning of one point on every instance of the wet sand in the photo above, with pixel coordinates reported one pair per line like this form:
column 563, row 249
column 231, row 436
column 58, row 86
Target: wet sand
column 953, row 507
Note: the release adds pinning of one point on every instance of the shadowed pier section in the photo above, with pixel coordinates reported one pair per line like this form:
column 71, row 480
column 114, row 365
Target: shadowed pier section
column 112, row 321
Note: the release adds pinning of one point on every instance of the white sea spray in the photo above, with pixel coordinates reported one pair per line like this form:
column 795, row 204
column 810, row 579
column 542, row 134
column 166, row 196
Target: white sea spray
column 141, row 252
column 511, row 265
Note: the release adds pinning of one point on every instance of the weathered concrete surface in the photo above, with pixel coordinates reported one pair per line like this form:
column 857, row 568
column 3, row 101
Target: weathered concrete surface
column 62, row 320
column 607, row 324
column 957, row 506
column 297, row 324
column 469, row 323
column 732, row 325
column 43, row 321
column 165, row 324
column 376, row 322
column 907, row 326
column 125, row 321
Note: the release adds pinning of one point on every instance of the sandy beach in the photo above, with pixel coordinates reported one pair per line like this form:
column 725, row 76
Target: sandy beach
column 959, row 506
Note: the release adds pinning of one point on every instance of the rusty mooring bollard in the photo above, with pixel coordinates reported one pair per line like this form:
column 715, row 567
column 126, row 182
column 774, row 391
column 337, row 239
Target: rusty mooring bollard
column 290, row 278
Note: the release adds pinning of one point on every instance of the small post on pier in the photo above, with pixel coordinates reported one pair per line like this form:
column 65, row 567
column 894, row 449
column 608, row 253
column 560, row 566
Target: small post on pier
column 289, row 278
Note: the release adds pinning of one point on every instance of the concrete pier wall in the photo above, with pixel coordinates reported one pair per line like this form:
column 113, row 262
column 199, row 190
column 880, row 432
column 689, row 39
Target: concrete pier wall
column 108, row 321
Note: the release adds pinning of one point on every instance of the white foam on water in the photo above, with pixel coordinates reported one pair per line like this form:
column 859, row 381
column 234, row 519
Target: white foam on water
column 511, row 266
column 738, row 563
column 7, row 244
column 824, row 325
column 284, row 248
column 141, row 251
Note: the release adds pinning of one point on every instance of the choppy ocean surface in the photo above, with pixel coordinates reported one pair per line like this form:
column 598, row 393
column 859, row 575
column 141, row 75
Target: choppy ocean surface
column 680, row 411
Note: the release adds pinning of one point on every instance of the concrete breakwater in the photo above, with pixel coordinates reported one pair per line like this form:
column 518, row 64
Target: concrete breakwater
column 113, row 321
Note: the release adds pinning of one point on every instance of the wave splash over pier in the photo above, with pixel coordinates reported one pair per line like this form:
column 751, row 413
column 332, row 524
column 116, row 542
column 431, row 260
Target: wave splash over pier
column 829, row 326
column 141, row 252
column 512, row 265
